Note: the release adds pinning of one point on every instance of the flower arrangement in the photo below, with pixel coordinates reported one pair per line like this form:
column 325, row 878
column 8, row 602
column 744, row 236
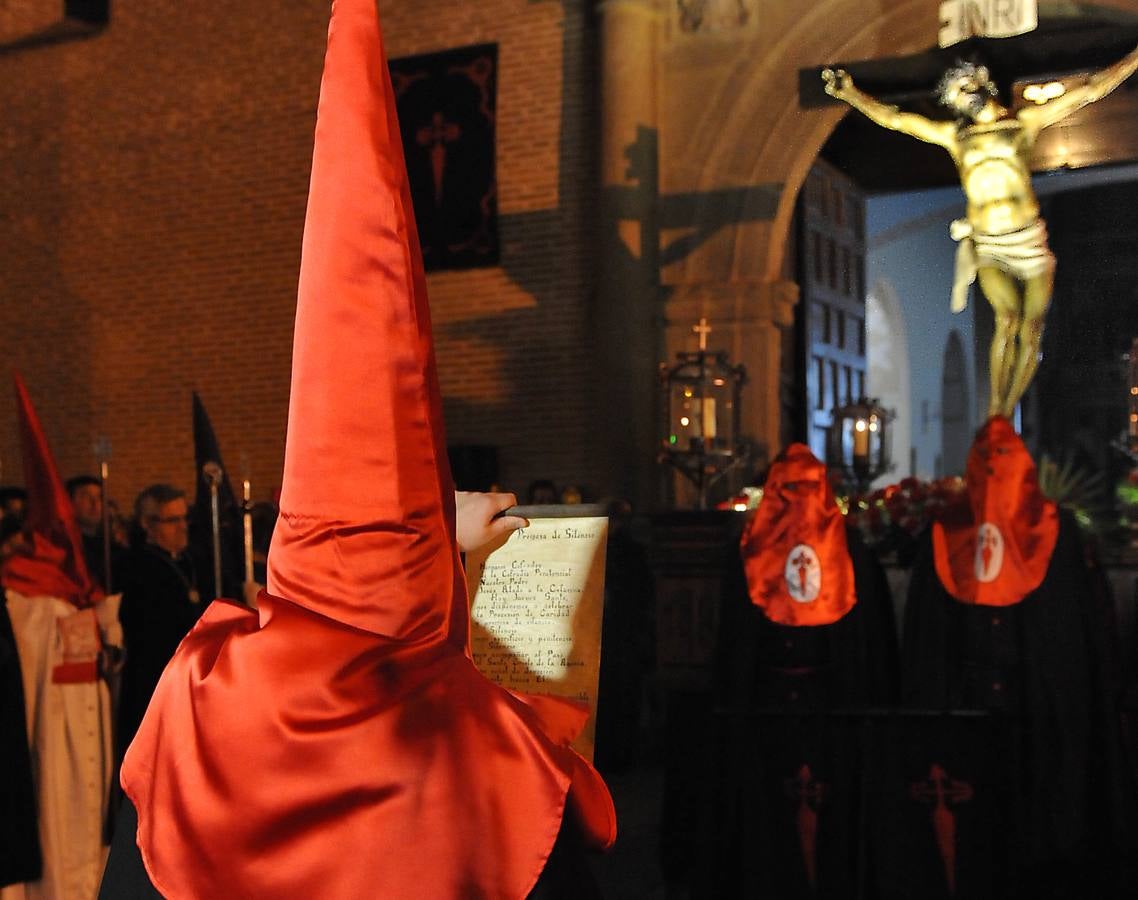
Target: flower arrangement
column 892, row 518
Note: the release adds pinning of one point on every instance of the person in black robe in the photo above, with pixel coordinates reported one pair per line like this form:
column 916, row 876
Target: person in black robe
column 789, row 731
column 786, row 819
column 1032, row 797
column 207, row 462
column 160, row 604
column 20, row 858
column 628, row 645
column 1044, row 666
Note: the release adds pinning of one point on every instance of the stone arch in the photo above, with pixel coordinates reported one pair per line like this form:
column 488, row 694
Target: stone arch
column 753, row 131
column 888, row 374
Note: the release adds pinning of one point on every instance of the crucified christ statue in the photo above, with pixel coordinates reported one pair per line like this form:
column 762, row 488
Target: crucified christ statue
column 1003, row 240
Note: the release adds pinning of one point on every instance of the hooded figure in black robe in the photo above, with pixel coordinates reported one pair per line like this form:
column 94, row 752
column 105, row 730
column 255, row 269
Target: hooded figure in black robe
column 807, row 644
column 1025, row 792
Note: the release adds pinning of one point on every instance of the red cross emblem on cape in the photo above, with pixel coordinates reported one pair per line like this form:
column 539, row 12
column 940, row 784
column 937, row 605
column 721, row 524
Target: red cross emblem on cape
column 995, row 548
column 808, row 794
column 794, row 549
column 943, row 793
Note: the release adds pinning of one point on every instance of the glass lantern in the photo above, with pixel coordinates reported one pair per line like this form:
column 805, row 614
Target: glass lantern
column 858, row 443
column 702, row 438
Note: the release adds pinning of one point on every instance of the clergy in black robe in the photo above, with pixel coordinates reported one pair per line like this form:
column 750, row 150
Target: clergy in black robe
column 161, row 602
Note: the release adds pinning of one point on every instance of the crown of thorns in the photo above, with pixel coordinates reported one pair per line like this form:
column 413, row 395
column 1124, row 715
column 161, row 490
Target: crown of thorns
column 960, row 72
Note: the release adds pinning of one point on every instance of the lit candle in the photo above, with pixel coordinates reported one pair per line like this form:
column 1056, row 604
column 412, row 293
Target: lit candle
column 247, row 527
column 861, row 440
column 708, row 418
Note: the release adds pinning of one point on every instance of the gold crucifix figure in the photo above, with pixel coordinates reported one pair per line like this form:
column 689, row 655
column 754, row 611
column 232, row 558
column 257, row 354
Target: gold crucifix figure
column 1003, row 239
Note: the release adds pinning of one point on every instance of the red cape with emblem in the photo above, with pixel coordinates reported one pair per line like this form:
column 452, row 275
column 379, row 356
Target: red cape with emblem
column 995, row 550
column 54, row 566
column 794, row 549
column 341, row 742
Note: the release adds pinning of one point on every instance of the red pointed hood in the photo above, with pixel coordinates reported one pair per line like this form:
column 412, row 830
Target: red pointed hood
column 794, row 549
column 55, row 567
column 996, row 550
column 367, row 505
column 392, row 767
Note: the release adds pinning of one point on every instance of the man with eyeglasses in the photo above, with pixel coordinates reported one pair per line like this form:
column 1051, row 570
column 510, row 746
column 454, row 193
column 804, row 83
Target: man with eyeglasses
column 161, row 601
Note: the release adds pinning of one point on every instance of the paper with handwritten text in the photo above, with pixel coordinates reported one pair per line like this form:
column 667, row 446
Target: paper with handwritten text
column 537, row 601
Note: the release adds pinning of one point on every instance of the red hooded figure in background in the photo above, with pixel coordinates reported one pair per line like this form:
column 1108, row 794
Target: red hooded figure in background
column 1008, row 624
column 806, row 630
column 340, row 742
column 794, row 550
column 62, row 623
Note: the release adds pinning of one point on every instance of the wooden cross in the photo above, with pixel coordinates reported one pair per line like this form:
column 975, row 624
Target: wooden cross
column 703, row 330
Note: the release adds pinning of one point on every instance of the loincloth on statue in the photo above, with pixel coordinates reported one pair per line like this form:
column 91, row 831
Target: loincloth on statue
column 1023, row 253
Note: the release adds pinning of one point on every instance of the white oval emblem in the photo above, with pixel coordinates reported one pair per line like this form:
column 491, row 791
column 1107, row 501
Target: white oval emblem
column 803, row 574
column 989, row 553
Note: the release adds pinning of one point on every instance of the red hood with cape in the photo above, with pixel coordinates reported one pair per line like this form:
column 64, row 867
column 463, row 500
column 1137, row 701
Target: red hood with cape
column 995, row 550
column 341, row 742
column 53, row 565
column 794, row 549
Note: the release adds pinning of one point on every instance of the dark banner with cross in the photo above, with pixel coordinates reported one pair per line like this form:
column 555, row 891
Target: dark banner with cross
column 447, row 105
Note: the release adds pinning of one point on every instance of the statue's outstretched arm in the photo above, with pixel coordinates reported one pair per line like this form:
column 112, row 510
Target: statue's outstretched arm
column 1099, row 85
column 839, row 84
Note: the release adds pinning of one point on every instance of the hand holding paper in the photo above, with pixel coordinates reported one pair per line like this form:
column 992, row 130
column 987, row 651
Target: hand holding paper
column 478, row 519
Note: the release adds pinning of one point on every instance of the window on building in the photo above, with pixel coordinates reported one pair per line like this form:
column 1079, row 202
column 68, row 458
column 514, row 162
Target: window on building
column 820, row 375
column 841, row 342
column 827, row 323
column 847, row 272
column 832, row 262
column 816, row 251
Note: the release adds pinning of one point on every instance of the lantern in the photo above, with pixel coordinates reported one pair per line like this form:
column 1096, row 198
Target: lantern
column 702, row 393
column 858, row 442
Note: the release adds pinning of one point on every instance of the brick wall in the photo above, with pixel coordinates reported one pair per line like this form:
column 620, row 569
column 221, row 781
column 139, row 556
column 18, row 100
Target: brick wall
column 152, row 192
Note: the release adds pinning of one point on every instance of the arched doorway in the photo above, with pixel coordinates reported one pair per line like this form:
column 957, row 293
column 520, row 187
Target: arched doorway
column 887, row 368
column 733, row 163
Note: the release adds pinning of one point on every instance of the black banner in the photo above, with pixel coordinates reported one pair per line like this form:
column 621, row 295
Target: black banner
column 447, row 106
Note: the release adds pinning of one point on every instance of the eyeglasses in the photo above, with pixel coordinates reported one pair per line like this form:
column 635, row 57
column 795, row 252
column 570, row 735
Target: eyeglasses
column 169, row 520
